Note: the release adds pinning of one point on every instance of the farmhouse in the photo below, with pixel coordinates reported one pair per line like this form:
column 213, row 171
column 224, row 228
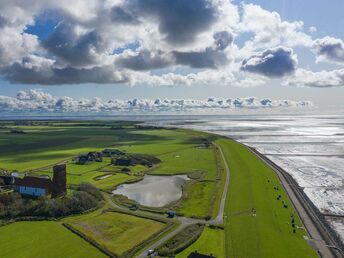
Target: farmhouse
column 42, row 186
column 33, row 186
column 89, row 157
column 112, row 152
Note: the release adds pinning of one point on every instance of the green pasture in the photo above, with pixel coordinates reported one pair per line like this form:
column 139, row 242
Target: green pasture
column 211, row 242
column 267, row 231
column 46, row 239
column 116, row 232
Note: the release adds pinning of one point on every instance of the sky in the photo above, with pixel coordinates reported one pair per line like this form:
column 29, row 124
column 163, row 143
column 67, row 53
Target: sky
column 197, row 50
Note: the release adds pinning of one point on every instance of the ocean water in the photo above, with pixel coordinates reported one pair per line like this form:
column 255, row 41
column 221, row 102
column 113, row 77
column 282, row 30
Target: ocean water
column 310, row 148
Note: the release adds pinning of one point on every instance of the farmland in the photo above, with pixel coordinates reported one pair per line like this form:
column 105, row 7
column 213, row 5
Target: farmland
column 116, row 232
column 210, row 242
column 32, row 239
column 259, row 219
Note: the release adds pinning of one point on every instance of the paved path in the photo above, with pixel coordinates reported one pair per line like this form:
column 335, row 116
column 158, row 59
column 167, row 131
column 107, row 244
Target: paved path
column 184, row 222
column 220, row 215
column 320, row 238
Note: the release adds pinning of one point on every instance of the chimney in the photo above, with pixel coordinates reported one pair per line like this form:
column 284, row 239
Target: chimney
column 59, row 181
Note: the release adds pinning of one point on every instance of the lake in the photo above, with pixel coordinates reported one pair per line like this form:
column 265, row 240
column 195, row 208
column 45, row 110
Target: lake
column 154, row 191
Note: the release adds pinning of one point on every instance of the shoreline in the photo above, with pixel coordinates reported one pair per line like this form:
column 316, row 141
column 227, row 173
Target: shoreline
column 322, row 236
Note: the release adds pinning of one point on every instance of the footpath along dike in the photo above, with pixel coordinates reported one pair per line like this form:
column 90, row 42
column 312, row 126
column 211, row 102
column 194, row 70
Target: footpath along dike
column 322, row 237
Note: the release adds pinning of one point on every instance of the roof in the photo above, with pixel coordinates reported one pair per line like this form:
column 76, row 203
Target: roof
column 36, row 182
column 198, row 255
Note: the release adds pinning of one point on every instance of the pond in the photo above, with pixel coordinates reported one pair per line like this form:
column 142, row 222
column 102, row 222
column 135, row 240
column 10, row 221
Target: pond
column 154, row 191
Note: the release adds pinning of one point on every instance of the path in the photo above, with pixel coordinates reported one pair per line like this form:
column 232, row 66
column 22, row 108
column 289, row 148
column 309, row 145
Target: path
column 184, row 222
column 321, row 238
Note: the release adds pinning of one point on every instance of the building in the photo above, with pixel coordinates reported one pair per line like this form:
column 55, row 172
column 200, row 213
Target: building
column 112, row 152
column 43, row 186
column 59, row 186
column 32, row 186
column 89, row 157
column 198, row 255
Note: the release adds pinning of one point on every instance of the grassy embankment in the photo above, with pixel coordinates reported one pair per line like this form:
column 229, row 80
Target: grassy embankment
column 267, row 231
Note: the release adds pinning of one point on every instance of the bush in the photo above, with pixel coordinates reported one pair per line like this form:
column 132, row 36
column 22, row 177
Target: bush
column 181, row 241
column 135, row 159
column 84, row 197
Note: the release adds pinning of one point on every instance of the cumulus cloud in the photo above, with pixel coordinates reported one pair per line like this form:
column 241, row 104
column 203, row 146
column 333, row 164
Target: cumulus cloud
column 274, row 63
column 329, row 49
column 101, row 41
column 270, row 30
column 40, row 102
column 322, row 79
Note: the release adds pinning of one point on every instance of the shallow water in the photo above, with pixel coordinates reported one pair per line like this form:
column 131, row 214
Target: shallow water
column 154, row 191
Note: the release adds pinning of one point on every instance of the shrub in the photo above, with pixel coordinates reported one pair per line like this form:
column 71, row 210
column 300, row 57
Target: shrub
column 84, row 197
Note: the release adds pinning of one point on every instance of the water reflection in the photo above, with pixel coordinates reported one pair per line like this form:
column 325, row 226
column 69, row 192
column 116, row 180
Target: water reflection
column 154, row 191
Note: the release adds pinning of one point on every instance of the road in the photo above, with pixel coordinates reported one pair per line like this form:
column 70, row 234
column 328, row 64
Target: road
column 320, row 237
column 184, row 222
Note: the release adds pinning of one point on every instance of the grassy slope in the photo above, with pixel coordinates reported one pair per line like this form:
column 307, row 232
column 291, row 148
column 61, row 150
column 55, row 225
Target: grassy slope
column 116, row 231
column 22, row 239
column 269, row 234
column 210, row 242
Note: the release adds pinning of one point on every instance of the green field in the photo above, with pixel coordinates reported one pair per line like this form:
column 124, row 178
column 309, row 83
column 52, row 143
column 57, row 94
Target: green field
column 116, row 232
column 269, row 233
column 43, row 239
column 180, row 151
column 257, row 222
column 212, row 241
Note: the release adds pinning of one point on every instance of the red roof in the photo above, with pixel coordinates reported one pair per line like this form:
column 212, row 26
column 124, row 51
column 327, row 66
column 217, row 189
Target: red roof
column 36, row 182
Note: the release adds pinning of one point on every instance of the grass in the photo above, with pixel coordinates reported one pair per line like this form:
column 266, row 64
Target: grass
column 199, row 200
column 48, row 143
column 43, row 239
column 211, row 241
column 253, row 185
column 116, row 232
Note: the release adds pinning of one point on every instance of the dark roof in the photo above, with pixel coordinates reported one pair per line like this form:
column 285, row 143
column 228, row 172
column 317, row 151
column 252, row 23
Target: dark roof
column 37, row 182
column 198, row 255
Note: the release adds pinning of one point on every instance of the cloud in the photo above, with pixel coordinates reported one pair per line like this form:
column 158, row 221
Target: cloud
column 329, row 49
column 145, row 60
column 92, row 42
column 180, row 22
column 38, row 101
column 322, row 79
column 273, row 63
column 270, row 30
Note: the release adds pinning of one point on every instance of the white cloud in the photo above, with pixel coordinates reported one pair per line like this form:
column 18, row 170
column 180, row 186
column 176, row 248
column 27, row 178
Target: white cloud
column 270, row 30
column 329, row 49
column 322, row 79
column 89, row 43
column 39, row 101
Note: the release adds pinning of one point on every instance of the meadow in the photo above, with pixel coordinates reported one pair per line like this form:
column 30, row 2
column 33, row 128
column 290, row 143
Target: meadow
column 181, row 152
column 258, row 213
column 258, row 217
column 211, row 242
column 47, row 239
column 117, row 232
